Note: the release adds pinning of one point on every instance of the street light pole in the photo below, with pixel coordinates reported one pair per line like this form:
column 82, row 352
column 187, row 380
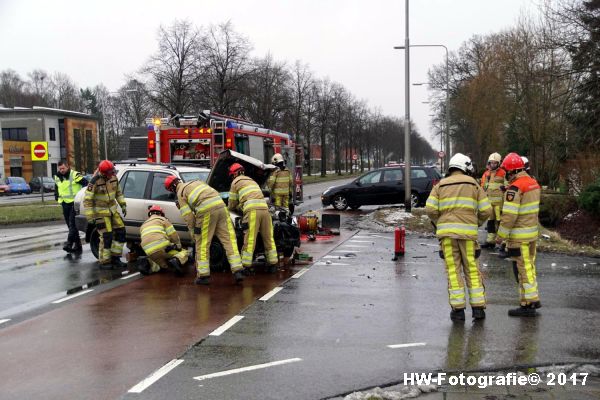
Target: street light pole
column 407, row 175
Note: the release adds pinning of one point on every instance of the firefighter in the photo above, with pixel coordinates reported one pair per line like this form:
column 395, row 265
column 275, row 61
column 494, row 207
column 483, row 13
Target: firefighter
column 519, row 226
column 68, row 183
column 206, row 215
column 280, row 184
column 493, row 181
column 246, row 195
column 457, row 205
column 101, row 198
column 161, row 244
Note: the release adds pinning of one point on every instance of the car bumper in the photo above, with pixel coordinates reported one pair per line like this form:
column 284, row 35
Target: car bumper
column 326, row 200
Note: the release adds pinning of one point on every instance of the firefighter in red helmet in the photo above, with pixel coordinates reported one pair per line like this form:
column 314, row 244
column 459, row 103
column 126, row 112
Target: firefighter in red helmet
column 519, row 226
column 102, row 196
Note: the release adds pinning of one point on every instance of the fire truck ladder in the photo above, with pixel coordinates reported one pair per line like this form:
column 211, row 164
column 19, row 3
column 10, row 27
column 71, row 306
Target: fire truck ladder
column 218, row 128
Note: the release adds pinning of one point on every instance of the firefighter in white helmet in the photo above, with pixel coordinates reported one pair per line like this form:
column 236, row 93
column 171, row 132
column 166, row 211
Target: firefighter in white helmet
column 493, row 182
column 280, row 183
column 457, row 205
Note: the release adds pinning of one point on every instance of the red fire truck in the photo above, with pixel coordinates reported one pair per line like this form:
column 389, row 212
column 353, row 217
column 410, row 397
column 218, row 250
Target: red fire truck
column 200, row 139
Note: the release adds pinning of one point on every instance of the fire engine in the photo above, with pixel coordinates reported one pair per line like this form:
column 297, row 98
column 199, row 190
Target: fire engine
column 199, row 140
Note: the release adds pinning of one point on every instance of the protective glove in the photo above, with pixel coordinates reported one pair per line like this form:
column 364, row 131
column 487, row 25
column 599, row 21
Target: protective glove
column 124, row 210
column 178, row 247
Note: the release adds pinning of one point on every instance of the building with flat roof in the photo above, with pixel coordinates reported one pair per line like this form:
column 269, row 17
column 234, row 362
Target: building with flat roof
column 71, row 135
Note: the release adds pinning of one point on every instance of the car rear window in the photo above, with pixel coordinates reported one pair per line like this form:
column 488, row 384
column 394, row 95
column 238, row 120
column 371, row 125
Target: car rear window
column 418, row 173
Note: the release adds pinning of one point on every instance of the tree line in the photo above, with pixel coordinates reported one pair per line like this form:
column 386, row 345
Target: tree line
column 533, row 88
column 211, row 68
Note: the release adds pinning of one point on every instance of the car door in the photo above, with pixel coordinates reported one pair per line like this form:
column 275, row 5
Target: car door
column 160, row 196
column 367, row 188
column 134, row 184
column 420, row 181
column 393, row 188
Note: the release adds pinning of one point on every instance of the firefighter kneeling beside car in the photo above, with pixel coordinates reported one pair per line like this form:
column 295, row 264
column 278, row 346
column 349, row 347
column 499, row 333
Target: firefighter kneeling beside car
column 161, row 244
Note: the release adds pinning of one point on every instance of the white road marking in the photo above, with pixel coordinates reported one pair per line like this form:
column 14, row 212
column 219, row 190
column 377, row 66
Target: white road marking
column 156, row 375
column 360, row 241
column 130, row 276
column 399, row 346
column 226, row 325
column 299, row 273
column 244, row 369
column 271, row 294
column 382, row 237
column 325, row 263
column 353, row 245
column 346, row 251
column 4, row 320
column 361, row 237
column 72, row 296
column 336, row 257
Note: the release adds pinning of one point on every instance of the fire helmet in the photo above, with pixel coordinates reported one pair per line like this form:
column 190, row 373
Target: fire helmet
column 155, row 210
column 513, row 162
column 495, row 157
column 277, row 158
column 171, row 183
column 462, row 162
column 235, row 168
column 106, row 168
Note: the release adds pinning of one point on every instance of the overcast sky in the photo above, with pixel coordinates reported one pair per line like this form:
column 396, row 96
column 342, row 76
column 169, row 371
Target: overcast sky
column 349, row 41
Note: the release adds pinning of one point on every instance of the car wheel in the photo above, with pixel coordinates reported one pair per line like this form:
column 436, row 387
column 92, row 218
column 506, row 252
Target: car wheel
column 354, row 206
column 95, row 244
column 414, row 200
column 218, row 258
column 339, row 202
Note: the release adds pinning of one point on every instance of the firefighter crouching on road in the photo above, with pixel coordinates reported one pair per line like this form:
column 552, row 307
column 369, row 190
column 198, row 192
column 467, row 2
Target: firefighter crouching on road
column 280, row 184
column 246, row 195
column 100, row 202
column 161, row 244
column 457, row 205
column 493, row 181
column 68, row 183
column 520, row 227
column 206, row 215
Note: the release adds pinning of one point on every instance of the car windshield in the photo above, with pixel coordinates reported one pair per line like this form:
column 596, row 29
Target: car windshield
column 194, row 176
column 48, row 180
column 16, row 180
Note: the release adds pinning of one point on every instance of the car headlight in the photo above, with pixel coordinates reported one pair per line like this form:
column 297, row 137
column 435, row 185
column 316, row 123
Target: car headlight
column 327, row 191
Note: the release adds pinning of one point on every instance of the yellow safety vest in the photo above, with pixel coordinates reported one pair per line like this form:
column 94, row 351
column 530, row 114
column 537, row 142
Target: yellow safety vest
column 68, row 188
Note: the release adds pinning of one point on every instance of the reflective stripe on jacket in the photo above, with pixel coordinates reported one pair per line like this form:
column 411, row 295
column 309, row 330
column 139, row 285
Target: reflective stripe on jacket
column 280, row 183
column 157, row 233
column 458, row 205
column 491, row 181
column 68, row 188
column 246, row 195
column 101, row 197
column 195, row 199
column 519, row 221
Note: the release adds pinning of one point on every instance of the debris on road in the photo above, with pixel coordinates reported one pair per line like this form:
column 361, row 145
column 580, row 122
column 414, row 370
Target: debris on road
column 403, row 392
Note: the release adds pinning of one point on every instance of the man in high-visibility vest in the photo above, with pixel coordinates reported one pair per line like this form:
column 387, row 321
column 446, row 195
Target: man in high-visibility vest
column 493, row 182
column 68, row 183
column 457, row 205
column 519, row 226
column 102, row 196
column 206, row 215
column 280, row 183
column 246, row 195
column 161, row 244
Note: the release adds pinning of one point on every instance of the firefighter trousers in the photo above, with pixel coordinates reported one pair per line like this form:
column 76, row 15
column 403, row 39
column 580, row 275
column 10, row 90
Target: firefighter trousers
column 258, row 221
column 112, row 237
column 158, row 259
column 281, row 201
column 493, row 223
column 461, row 256
column 215, row 222
column 523, row 255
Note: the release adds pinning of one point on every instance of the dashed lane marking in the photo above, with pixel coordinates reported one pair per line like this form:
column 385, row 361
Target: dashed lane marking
column 329, row 263
column 72, row 296
column 360, row 241
column 400, row 346
column 244, row 369
column 130, row 276
column 345, row 246
column 299, row 273
column 156, row 375
column 226, row 325
column 4, row 320
column 271, row 294
column 346, row 251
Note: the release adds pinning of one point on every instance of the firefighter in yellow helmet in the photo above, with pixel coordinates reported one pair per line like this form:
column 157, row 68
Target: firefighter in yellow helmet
column 457, row 205
column 493, row 182
column 102, row 196
column 161, row 244
column 206, row 216
column 280, row 183
column 520, row 227
column 246, row 195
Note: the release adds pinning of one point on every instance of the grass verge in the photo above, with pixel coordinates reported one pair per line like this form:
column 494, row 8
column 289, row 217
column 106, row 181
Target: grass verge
column 31, row 212
column 307, row 180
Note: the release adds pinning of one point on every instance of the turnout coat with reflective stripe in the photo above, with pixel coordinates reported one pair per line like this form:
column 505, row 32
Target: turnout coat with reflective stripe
column 101, row 197
column 458, row 205
column 68, row 187
column 195, row 199
column 157, row 233
column 519, row 221
column 491, row 181
column 280, row 183
column 246, row 195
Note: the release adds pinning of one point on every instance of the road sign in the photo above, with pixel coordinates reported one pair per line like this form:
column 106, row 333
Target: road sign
column 39, row 151
column 441, row 154
column 354, row 157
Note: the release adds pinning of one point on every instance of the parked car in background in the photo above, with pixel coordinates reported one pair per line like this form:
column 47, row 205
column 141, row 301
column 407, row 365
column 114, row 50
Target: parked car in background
column 36, row 183
column 4, row 189
column 382, row 186
column 17, row 185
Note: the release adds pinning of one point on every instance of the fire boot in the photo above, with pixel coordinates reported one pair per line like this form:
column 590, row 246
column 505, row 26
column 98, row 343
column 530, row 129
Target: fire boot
column 523, row 311
column 143, row 265
column 176, row 265
column 478, row 313
column 117, row 263
column 238, row 276
column 457, row 315
column 202, row 280
column 502, row 253
column 107, row 266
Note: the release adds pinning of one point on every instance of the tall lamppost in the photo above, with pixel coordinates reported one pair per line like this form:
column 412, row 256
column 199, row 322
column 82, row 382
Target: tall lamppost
column 447, row 93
